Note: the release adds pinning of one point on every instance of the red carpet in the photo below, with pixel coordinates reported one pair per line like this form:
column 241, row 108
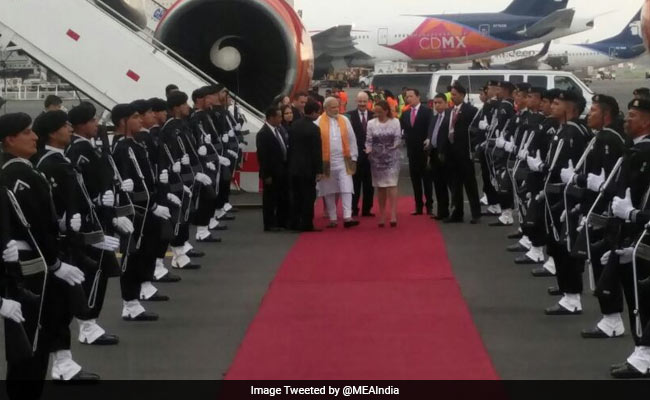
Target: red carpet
column 365, row 304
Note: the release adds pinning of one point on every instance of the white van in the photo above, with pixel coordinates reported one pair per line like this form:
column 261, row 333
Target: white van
column 431, row 83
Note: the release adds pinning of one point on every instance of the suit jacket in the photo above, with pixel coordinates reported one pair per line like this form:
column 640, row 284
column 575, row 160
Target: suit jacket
column 305, row 149
column 443, row 131
column 355, row 120
column 416, row 135
column 269, row 154
column 461, row 147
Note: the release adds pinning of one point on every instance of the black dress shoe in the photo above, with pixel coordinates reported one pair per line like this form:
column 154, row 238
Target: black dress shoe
column 628, row 372
column 80, row 377
column 157, row 297
column 350, row 224
column 617, row 366
column 168, row 278
column 219, row 228
column 195, row 253
column 209, row 239
column 554, row 291
column 145, row 316
column 475, row 221
column 189, row 267
column 516, row 248
column 440, row 217
column 368, row 214
column 525, row 260
column 429, row 211
column 105, row 340
column 541, row 273
column 393, row 224
column 559, row 310
column 273, row 229
column 453, row 220
column 597, row 333
column 516, row 235
column 417, row 212
column 498, row 223
column 226, row 218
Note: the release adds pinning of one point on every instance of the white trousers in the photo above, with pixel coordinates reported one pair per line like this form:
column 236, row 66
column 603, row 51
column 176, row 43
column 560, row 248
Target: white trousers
column 330, row 202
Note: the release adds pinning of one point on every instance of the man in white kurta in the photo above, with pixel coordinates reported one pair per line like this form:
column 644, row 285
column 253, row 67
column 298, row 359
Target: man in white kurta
column 339, row 182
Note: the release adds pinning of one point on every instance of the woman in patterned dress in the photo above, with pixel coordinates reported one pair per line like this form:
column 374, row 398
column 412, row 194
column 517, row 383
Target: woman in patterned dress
column 383, row 139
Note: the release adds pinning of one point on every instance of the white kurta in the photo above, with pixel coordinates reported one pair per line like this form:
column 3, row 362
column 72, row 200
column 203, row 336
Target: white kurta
column 339, row 181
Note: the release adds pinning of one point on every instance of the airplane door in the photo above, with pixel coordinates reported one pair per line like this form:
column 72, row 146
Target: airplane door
column 382, row 36
column 612, row 53
column 484, row 29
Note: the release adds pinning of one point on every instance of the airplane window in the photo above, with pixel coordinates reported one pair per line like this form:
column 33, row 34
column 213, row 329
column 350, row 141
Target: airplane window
column 516, row 79
column 566, row 83
column 538, row 81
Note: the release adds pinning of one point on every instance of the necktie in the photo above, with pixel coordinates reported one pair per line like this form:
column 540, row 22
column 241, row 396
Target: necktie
column 364, row 122
column 414, row 114
column 452, row 131
column 284, row 147
column 434, row 137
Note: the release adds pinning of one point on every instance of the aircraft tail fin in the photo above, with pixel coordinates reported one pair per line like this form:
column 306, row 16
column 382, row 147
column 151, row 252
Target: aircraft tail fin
column 631, row 33
column 535, row 7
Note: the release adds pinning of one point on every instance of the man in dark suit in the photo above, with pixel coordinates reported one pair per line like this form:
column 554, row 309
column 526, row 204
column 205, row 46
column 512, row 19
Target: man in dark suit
column 435, row 143
column 415, row 125
column 362, row 178
column 458, row 155
column 305, row 167
column 298, row 105
column 272, row 155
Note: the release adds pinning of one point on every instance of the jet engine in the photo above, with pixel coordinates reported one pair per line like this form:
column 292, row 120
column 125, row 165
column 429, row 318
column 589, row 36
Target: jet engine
column 257, row 48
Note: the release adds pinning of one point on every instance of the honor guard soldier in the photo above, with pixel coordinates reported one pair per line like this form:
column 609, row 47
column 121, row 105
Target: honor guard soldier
column 222, row 124
column 622, row 266
column 41, row 268
column 139, row 250
column 479, row 131
column 176, row 166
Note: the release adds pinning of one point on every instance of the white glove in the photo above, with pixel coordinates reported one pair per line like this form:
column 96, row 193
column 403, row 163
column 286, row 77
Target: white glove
column 10, row 253
column 563, row 216
column 176, row 167
column 12, row 310
column 625, row 255
column 225, row 138
column 75, row 222
column 204, row 179
column 108, row 198
column 224, row 161
column 174, row 199
column 523, row 154
column 187, row 190
column 203, row 151
column 70, row 274
column 127, row 185
column 110, row 243
column 242, row 146
column 500, row 142
column 164, row 177
column 162, row 212
column 231, row 133
column 427, row 143
column 595, row 182
column 510, row 145
column 185, row 160
column 124, row 225
column 535, row 164
column 233, row 154
column 605, row 258
column 622, row 208
column 568, row 173
column 207, row 139
column 211, row 166
column 483, row 125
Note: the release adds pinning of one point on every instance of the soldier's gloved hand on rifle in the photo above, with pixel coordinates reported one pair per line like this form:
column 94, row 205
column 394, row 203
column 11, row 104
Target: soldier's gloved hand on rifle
column 224, row 161
column 225, row 138
column 509, row 146
column 241, row 146
column 187, row 190
column 500, row 142
column 625, row 255
column 185, row 160
column 70, row 274
column 127, row 185
column 12, row 310
column 203, row 151
column 162, row 212
column 233, row 154
column 164, row 177
column 483, row 125
column 211, row 166
column 75, row 222
column 174, row 199
column 523, row 154
column 567, row 174
column 207, row 139
column 623, row 208
column 595, row 182
column 124, row 225
column 176, row 167
column 107, row 199
column 605, row 258
column 110, row 243
column 204, row 179
column 10, row 253
column 535, row 164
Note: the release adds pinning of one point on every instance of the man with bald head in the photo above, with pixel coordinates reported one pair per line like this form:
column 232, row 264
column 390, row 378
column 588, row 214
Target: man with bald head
column 340, row 154
column 362, row 178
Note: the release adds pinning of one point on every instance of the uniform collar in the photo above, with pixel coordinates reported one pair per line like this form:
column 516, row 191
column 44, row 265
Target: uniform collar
column 640, row 139
column 54, row 149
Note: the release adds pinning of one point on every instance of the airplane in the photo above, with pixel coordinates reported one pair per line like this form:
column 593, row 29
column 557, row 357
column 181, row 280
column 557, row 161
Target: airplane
column 437, row 38
column 623, row 47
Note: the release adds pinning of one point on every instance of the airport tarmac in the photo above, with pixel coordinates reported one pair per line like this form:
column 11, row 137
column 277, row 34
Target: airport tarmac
column 203, row 325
